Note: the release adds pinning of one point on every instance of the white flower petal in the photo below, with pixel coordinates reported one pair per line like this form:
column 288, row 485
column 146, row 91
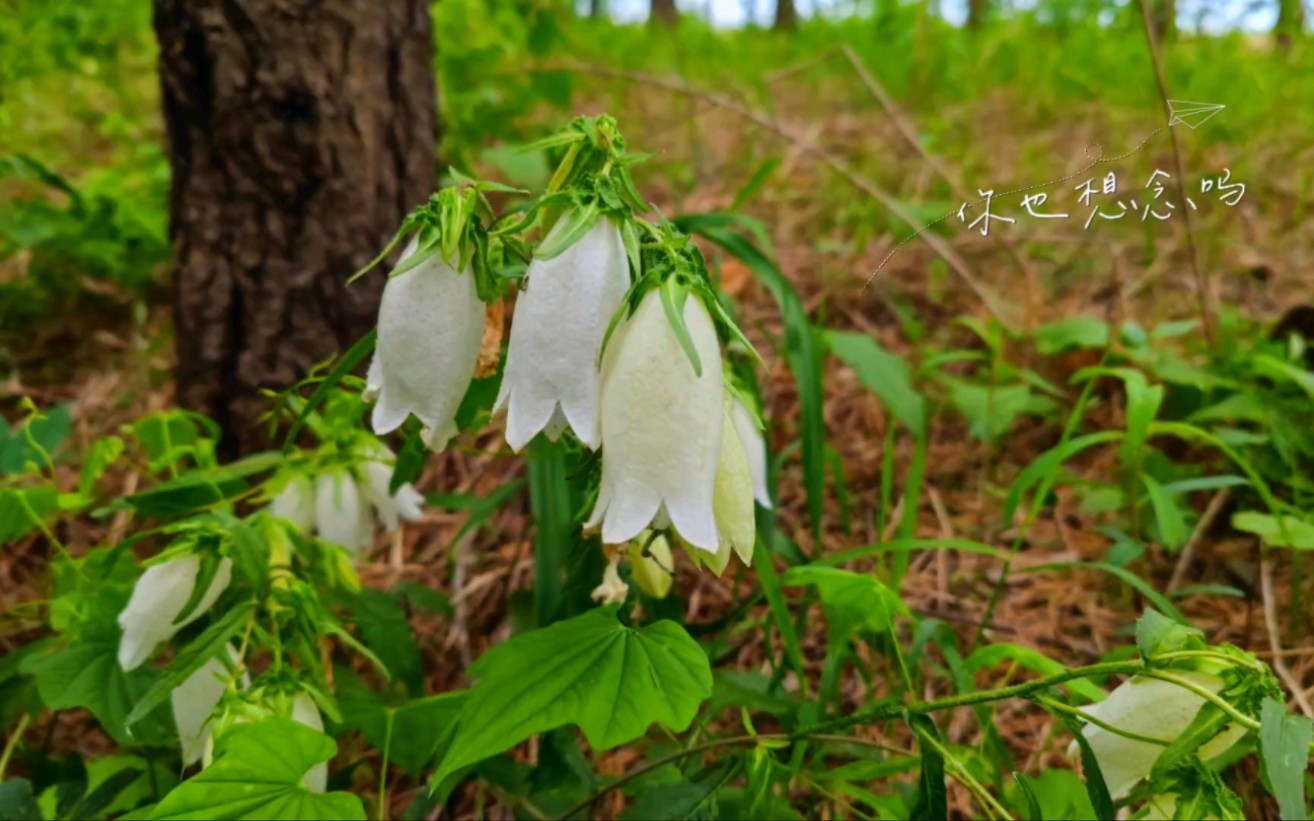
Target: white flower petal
column 750, row 436
column 296, row 503
column 733, row 496
column 1154, row 709
column 156, row 602
column 339, row 509
column 661, row 427
column 560, row 319
column 194, row 702
column 431, row 323
column 305, row 711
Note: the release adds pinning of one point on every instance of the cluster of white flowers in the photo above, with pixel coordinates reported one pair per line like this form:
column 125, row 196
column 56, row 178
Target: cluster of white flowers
column 336, row 504
column 679, row 449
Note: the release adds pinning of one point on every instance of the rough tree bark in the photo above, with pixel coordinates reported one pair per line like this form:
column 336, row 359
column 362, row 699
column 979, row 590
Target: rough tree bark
column 300, row 132
column 786, row 15
column 664, row 12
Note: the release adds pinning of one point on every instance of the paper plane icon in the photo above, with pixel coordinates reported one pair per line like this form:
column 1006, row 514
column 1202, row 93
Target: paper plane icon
column 1191, row 114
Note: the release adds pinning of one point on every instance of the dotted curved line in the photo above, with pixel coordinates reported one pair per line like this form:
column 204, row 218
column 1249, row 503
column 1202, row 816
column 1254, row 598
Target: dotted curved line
column 1094, row 161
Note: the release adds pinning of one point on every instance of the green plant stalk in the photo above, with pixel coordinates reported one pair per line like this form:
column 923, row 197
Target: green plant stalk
column 12, row 744
column 960, row 774
column 1060, row 707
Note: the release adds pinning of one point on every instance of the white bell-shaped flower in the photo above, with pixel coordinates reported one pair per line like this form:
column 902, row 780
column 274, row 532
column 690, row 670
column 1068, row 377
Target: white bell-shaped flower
column 296, row 503
column 305, row 711
column 733, row 497
column 1151, row 708
column 754, row 444
column 194, row 702
column 157, row 600
column 661, row 427
column 431, row 323
column 551, row 378
column 407, row 504
column 342, row 514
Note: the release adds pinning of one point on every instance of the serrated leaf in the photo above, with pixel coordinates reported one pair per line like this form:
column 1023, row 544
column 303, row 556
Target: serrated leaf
column 257, row 774
column 1284, row 751
column 88, row 675
column 610, row 680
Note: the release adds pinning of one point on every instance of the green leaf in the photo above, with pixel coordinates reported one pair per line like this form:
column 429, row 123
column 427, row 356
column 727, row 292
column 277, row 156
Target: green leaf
column 1096, row 789
column 851, row 601
column 88, row 675
column 932, row 798
column 884, row 374
column 1172, row 527
column 257, row 774
column 683, row 799
column 555, row 531
column 17, row 802
column 353, row 357
column 1033, row 804
column 991, row 411
column 1284, row 750
column 1299, row 533
column 48, row 431
column 611, row 680
column 1071, row 333
column 1157, row 634
column 410, row 733
column 190, row 659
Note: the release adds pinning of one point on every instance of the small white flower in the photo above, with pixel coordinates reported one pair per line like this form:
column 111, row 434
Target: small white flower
column 750, row 436
column 158, row 599
column 613, row 589
column 733, row 497
column 661, row 427
column 407, row 504
column 194, row 701
column 341, row 514
column 1154, row 709
column 296, row 503
column 305, row 711
column 652, row 573
column 431, row 323
column 337, row 504
column 551, row 378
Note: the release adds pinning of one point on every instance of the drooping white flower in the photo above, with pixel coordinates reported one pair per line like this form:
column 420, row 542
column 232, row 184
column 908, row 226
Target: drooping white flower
column 305, row 711
column 336, row 504
column 407, row 504
column 1151, row 708
column 431, row 323
column 194, row 701
column 341, row 514
column 551, row 378
column 754, row 444
column 733, row 497
column 296, row 503
column 157, row 600
column 652, row 572
column 661, row 427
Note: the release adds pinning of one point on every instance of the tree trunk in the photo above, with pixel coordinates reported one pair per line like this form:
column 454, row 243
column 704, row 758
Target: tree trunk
column 1163, row 18
column 1290, row 23
column 300, row 132
column 786, row 15
column 597, row 9
column 976, row 13
column 665, row 13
